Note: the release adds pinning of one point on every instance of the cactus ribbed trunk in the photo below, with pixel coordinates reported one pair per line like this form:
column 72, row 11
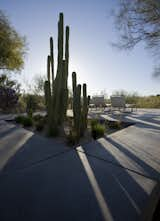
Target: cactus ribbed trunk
column 76, row 107
column 56, row 88
column 80, row 109
column 85, row 108
column 52, row 62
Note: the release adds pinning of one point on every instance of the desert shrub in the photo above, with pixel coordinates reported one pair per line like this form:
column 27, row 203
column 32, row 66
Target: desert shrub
column 38, row 117
column 148, row 102
column 9, row 93
column 27, row 122
column 94, row 122
column 21, row 106
column 152, row 101
column 39, row 122
column 19, row 119
column 39, row 125
column 113, row 124
column 30, row 104
column 98, row 130
column 8, row 97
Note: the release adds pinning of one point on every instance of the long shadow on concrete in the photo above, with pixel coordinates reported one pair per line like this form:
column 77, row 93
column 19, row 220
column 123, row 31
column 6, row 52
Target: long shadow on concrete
column 7, row 131
column 146, row 122
column 146, row 144
column 34, row 150
column 73, row 186
column 146, row 167
column 45, row 180
column 121, row 189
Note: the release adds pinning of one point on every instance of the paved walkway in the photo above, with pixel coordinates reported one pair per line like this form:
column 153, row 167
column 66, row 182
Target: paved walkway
column 114, row 178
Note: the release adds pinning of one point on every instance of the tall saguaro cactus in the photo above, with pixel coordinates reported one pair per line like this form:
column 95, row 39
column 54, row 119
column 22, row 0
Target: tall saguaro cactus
column 80, row 107
column 56, row 87
column 52, row 61
column 84, row 107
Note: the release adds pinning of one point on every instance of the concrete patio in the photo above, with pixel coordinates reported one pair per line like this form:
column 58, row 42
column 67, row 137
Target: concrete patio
column 113, row 178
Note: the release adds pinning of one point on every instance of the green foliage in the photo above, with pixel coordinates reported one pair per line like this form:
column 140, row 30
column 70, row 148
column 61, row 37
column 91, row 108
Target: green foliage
column 19, row 119
column 38, row 117
column 27, row 122
column 94, row 122
column 148, row 102
column 98, row 130
column 39, row 122
column 12, row 46
column 21, row 106
column 38, row 88
column 39, row 103
column 113, row 124
column 6, row 81
column 31, row 104
column 9, row 93
column 139, row 101
column 39, row 125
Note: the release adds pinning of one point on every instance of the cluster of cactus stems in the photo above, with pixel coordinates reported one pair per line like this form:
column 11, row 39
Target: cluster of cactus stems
column 80, row 107
column 56, row 90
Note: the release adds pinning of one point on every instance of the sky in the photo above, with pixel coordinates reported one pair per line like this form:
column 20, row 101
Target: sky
column 92, row 31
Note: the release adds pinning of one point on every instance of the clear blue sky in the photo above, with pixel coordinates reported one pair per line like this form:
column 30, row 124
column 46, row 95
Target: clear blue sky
column 91, row 55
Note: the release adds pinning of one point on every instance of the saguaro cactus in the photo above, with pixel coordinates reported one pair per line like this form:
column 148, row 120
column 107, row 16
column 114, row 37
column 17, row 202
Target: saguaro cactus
column 84, row 108
column 80, row 107
column 56, row 87
column 52, row 61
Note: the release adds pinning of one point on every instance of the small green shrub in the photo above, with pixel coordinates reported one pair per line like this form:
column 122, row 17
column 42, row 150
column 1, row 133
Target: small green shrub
column 31, row 104
column 39, row 125
column 94, row 122
column 19, row 119
column 27, row 122
column 39, row 122
column 38, row 117
column 98, row 131
column 114, row 124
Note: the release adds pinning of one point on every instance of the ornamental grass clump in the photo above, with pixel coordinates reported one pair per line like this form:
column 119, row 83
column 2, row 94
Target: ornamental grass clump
column 97, row 130
column 27, row 122
column 19, row 119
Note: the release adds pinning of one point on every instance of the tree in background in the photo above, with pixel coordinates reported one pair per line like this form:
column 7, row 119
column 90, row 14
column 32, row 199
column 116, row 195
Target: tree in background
column 31, row 104
column 130, row 98
column 9, row 93
column 38, row 85
column 139, row 20
column 12, row 46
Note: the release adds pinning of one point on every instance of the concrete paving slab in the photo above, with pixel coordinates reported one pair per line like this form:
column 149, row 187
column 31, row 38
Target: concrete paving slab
column 141, row 115
column 74, row 186
column 136, row 148
column 20, row 147
column 7, row 116
column 12, row 139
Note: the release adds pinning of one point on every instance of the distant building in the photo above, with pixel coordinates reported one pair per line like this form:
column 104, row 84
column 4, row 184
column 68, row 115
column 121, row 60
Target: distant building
column 98, row 101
